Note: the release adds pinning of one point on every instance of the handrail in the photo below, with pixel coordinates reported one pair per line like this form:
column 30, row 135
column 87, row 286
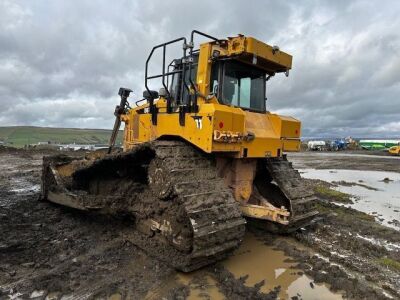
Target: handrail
column 163, row 73
column 194, row 106
column 191, row 105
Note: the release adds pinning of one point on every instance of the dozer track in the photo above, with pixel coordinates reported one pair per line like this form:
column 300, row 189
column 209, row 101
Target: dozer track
column 290, row 190
column 184, row 213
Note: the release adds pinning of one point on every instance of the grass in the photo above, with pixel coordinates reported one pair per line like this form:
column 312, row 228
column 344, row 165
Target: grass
column 344, row 213
column 330, row 194
column 19, row 136
column 391, row 263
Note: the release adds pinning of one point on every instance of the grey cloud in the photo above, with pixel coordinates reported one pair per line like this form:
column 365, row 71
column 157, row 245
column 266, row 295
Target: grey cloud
column 61, row 63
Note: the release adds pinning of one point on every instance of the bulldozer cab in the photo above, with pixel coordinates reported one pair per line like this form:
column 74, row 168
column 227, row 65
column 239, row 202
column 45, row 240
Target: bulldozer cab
column 229, row 71
column 232, row 83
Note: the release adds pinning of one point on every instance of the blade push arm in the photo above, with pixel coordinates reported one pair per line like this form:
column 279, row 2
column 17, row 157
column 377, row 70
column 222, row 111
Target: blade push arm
column 119, row 110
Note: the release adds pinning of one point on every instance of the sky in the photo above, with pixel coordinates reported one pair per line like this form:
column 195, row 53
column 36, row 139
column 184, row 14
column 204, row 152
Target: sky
column 62, row 62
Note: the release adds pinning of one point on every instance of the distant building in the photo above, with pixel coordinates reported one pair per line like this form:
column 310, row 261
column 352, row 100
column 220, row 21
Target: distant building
column 75, row 147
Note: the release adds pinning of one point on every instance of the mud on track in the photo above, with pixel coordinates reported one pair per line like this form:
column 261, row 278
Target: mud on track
column 49, row 251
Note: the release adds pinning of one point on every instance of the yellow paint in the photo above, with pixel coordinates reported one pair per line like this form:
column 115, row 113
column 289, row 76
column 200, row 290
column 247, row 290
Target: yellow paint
column 269, row 213
column 238, row 174
column 273, row 134
column 266, row 57
column 394, row 150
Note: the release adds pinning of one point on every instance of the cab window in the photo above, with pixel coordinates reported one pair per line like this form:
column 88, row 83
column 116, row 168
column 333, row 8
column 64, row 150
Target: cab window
column 242, row 85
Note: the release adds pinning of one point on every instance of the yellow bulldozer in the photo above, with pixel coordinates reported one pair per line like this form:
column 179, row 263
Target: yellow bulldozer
column 199, row 157
column 395, row 150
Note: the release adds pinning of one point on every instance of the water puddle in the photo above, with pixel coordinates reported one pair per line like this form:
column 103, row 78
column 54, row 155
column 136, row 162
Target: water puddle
column 53, row 296
column 23, row 188
column 206, row 288
column 387, row 245
column 378, row 197
column 201, row 285
column 258, row 262
column 36, row 294
column 337, row 154
column 15, row 296
column 262, row 262
column 115, row 297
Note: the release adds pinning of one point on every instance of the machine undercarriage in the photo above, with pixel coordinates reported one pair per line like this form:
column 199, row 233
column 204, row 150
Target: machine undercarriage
column 175, row 197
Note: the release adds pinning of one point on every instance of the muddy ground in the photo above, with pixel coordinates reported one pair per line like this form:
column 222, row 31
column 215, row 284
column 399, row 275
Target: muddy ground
column 357, row 160
column 49, row 252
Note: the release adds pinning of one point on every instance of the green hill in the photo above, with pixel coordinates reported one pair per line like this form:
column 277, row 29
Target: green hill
column 18, row 136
